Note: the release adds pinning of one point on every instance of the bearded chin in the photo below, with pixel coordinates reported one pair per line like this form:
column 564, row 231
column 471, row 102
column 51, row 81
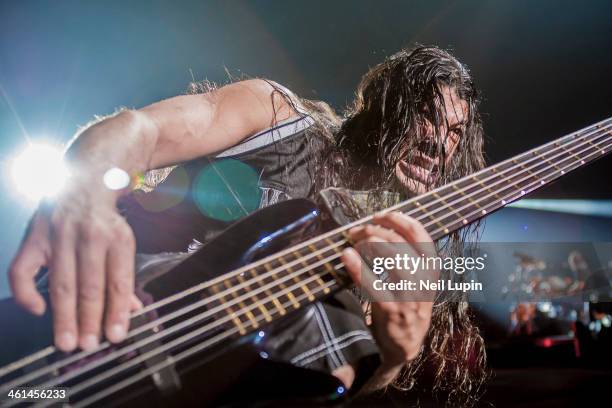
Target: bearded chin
column 398, row 187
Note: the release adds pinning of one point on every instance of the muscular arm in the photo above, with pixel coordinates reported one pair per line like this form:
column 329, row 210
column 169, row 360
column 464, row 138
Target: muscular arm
column 87, row 245
column 178, row 129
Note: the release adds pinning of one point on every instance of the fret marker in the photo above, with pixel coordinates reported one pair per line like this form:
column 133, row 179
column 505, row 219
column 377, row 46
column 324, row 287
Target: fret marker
column 562, row 171
column 522, row 192
column 446, row 231
column 483, row 212
column 503, row 202
column 465, row 222
column 581, row 161
column 542, row 182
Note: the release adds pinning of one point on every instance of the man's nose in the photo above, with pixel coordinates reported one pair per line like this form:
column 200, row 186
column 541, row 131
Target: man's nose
column 427, row 129
column 428, row 132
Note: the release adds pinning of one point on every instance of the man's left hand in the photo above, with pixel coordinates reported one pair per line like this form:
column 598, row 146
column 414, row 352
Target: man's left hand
column 399, row 327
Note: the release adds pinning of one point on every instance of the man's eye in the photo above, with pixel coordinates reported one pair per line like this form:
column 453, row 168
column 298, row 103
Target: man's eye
column 457, row 131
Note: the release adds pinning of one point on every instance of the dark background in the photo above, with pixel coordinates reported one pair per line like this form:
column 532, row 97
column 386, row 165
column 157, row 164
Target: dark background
column 543, row 67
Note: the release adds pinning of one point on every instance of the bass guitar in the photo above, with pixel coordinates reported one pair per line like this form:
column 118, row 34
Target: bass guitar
column 197, row 342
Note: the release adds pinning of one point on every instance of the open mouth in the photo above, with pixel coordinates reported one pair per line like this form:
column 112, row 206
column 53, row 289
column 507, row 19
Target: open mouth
column 423, row 165
column 428, row 163
column 423, row 169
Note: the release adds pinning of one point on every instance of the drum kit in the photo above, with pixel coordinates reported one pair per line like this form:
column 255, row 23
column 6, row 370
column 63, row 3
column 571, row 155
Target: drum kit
column 563, row 294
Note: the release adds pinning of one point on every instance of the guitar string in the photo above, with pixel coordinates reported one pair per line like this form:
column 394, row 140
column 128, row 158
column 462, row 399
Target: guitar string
column 527, row 188
column 192, row 335
column 290, row 290
column 260, row 262
column 179, row 357
column 242, row 313
column 541, row 147
column 184, row 325
column 254, row 306
column 568, row 166
column 204, row 285
column 602, row 131
column 597, row 148
column 319, row 238
column 511, row 184
column 162, row 319
column 189, row 352
column 461, row 197
column 489, row 186
column 140, row 329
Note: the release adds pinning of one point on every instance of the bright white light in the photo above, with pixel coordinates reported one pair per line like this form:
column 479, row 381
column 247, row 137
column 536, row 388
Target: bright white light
column 116, row 179
column 545, row 307
column 39, row 171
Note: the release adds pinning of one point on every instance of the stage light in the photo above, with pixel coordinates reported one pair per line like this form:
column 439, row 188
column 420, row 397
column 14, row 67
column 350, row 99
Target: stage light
column 39, row 171
column 598, row 208
column 116, row 179
column 544, row 307
column 546, row 343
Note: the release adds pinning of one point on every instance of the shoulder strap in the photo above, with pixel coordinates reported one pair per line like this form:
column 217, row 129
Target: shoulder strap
column 282, row 130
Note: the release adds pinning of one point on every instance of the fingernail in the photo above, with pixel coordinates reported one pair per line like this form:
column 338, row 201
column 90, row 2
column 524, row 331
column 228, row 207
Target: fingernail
column 38, row 309
column 136, row 304
column 350, row 251
column 65, row 341
column 89, row 341
column 116, row 333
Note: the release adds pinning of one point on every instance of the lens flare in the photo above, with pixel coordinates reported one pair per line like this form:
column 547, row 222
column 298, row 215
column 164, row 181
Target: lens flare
column 39, row 171
column 116, row 179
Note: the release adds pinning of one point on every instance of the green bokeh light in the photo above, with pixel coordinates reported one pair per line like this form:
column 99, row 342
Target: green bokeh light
column 227, row 190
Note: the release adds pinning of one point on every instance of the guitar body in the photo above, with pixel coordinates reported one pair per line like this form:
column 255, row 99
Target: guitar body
column 234, row 372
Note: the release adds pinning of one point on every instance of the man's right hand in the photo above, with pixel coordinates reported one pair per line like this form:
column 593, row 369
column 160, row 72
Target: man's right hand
column 86, row 244
column 89, row 250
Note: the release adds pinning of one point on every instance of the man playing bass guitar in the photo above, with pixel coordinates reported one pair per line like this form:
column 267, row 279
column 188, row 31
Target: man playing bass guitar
column 413, row 126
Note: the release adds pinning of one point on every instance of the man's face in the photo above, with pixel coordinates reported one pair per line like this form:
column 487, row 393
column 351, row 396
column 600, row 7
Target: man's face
column 418, row 177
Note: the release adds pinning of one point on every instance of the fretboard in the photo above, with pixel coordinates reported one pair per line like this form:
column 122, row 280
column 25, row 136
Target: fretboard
column 313, row 268
column 466, row 200
column 258, row 293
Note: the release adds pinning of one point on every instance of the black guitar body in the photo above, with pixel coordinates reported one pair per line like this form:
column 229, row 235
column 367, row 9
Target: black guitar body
column 233, row 373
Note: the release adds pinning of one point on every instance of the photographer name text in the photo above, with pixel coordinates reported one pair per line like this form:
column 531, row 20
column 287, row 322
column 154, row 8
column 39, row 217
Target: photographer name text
column 427, row 285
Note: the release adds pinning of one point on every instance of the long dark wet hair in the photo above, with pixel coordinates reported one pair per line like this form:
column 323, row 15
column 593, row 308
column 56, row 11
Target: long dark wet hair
column 360, row 151
column 382, row 126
